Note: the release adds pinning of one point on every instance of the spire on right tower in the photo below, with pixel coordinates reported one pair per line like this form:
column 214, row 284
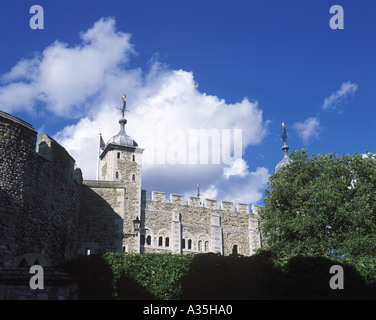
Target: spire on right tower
column 285, row 148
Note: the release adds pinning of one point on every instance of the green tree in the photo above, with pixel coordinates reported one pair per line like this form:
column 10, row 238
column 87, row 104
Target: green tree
column 323, row 205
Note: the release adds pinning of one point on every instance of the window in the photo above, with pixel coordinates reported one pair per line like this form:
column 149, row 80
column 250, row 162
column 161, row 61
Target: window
column 87, row 251
column 189, row 244
column 167, row 242
column 199, row 245
column 117, row 175
column 133, row 177
column 118, row 155
column 206, row 246
column 133, row 157
column 160, row 241
column 148, row 240
column 235, row 249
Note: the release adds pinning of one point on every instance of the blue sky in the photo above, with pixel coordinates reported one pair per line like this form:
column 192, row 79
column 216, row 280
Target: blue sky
column 195, row 64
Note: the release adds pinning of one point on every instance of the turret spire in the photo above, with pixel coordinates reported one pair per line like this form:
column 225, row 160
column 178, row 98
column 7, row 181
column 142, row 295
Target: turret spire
column 285, row 149
column 122, row 138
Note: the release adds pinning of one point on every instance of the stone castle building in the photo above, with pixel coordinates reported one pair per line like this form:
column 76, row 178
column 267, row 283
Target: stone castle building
column 49, row 214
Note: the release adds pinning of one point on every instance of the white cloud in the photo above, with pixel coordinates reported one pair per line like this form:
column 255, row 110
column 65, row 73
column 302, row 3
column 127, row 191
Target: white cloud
column 239, row 168
column 347, row 88
column 239, row 189
column 308, row 130
column 65, row 77
column 87, row 81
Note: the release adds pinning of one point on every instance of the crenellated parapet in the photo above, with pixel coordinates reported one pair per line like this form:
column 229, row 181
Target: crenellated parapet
column 194, row 225
column 192, row 201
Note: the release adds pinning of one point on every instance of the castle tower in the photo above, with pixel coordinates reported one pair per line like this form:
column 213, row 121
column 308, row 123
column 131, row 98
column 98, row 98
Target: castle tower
column 122, row 162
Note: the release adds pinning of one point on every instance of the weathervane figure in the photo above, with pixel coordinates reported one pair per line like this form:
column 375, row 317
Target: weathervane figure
column 284, row 135
column 124, row 105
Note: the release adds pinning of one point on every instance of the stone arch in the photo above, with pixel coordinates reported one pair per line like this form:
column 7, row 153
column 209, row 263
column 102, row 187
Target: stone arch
column 148, row 234
column 189, row 240
column 163, row 238
column 235, row 248
column 29, row 259
column 163, row 232
column 202, row 240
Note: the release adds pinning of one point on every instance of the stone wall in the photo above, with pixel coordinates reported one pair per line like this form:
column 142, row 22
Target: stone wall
column 58, row 285
column 101, row 217
column 166, row 226
column 39, row 195
column 195, row 228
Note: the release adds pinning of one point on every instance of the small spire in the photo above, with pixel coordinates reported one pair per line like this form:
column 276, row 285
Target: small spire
column 285, row 149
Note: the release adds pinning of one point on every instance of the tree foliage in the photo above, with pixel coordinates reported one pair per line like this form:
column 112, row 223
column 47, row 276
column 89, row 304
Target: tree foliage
column 321, row 205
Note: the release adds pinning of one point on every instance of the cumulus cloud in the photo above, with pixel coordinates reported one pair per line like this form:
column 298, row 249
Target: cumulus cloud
column 347, row 89
column 189, row 137
column 64, row 77
column 308, row 130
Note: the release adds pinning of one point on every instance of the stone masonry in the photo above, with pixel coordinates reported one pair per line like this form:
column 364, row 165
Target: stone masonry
column 40, row 195
column 48, row 214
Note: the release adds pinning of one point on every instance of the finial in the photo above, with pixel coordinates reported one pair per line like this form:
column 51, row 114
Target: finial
column 198, row 190
column 284, row 135
column 124, row 105
column 285, row 148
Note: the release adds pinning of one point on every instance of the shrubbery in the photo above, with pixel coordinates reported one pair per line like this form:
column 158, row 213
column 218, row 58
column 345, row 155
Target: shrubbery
column 210, row 276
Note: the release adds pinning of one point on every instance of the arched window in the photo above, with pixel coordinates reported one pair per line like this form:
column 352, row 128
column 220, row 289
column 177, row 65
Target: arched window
column 206, row 246
column 199, row 245
column 235, row 249
column 160, row 241
column 148, row 240
column 167, row 242
column 189, row 244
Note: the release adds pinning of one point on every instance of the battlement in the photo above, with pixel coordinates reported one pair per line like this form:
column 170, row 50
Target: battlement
column 16, row 134
column 196, row 202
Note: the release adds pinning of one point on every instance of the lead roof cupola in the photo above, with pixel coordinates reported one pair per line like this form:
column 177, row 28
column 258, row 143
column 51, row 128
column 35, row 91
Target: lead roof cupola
column 122, row 138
